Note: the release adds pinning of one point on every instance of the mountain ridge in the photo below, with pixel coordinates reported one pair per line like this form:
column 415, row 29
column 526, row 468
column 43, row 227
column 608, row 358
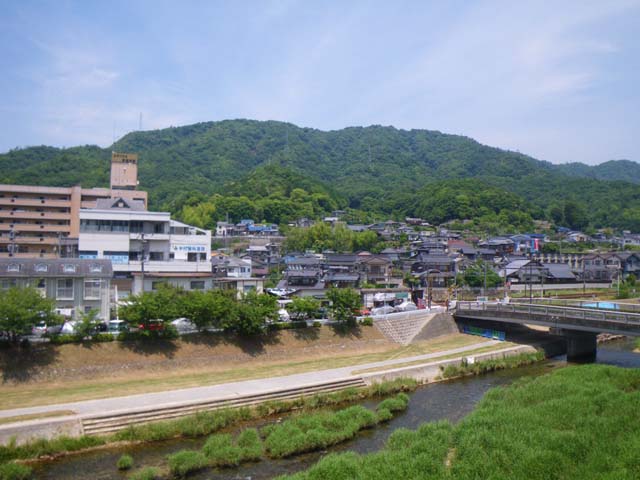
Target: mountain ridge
column 375, row 168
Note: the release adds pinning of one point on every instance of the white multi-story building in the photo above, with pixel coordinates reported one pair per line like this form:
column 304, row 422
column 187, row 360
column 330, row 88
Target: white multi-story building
column 145, row 248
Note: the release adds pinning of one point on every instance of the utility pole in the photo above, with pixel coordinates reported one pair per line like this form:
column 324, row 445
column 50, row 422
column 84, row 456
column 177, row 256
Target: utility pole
column 484, row 289
column 143, row 243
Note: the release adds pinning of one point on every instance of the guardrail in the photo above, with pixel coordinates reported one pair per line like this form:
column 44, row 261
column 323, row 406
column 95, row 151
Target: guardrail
column 622, row 306
column 557, row 316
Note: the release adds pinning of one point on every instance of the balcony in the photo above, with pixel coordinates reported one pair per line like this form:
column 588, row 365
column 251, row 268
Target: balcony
column 164, row 267
column 34, row 202
column 32, row 214
column 32, row 227
column 30, row 240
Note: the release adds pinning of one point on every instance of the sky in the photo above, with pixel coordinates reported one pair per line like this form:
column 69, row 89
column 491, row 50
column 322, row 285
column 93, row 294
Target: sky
column 555, row 80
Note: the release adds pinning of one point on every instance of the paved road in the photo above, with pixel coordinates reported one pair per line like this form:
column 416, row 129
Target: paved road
column 225, row 390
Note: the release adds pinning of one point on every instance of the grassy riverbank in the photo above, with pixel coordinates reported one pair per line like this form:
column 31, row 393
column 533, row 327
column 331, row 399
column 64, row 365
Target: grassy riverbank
column 199, row 424
column 302, row 433
column 579, row 422
column 52, row 374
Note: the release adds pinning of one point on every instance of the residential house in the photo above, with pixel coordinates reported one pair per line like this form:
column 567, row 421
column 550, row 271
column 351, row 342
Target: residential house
column 77, row 285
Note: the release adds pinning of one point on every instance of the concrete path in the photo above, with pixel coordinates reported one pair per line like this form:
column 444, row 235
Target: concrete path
column 225, row 390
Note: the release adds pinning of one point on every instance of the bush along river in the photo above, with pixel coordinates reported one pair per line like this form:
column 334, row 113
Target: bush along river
column 578, row 422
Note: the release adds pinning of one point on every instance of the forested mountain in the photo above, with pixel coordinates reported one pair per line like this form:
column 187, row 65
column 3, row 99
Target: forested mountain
column 276, row 171
column 623, row 170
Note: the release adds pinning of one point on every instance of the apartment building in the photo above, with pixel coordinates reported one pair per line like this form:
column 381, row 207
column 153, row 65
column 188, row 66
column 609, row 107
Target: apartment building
column 145, row 248
column 37, row 221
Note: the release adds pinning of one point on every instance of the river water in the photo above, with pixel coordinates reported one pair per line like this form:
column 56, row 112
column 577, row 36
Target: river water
column 447, row 400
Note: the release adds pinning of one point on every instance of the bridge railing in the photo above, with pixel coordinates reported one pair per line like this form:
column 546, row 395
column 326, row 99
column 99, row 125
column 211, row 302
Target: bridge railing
column 593, row 304
column 554, row 314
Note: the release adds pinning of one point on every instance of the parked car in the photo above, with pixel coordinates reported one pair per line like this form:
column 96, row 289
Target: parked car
column 152, row 326
column 69, row 328
column 283, row 315
column 184, row 325
column 363, row 312
column 406, row 307
column 54, row 329
column 383, row 310
column 117, row 326
column 39, row 328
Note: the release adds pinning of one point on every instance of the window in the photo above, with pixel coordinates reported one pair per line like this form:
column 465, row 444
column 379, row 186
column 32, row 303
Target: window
column 157, row 284
column 64, row 289
column 197, row 285
column 69, row 268
column 95, row 268
column 13, row 267
column 158, row 228
column 156, row 256
column 192, row 257
column 41, row 267
column 92, row 288
column 7, row 283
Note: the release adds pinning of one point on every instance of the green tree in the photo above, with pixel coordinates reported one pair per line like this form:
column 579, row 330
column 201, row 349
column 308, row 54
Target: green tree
column 303, row 308
column 345, row 302
column 209, row 309
column 251, row 314
column 474, row 276
column 165, row 303
column 21, row 308
column 86, row 325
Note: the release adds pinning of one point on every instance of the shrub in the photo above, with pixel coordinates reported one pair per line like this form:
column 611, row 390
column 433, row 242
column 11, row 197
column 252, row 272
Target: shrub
column 398, row 403
column 384, row 415
column 250, row 445
column 62, row 339
column 125, row 462
column 220, row 451
column 186, row 461
column 367, row 322
column 147, row 473
column 103, row 337
column 14, row 471
column 317, row 324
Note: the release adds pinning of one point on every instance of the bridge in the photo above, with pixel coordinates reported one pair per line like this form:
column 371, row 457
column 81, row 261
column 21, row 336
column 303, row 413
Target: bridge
column 579, row 325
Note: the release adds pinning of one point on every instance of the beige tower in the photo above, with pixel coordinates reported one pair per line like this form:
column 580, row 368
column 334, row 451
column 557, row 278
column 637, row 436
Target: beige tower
column 124, row 171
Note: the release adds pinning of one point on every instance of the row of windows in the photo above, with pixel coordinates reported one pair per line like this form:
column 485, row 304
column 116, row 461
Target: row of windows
column 133, row 226
column 193, row 285
column 44, row 268
column 64, row 287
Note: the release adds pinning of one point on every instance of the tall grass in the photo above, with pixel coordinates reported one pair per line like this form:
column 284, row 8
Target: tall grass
column 14, row 471
column 201, row 423
column 490, row 365
column 576, row 423
column 302, row 433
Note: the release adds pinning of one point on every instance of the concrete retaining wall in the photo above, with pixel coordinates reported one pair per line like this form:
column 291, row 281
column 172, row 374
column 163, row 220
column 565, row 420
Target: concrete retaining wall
column 46, row 428
column 431, row 372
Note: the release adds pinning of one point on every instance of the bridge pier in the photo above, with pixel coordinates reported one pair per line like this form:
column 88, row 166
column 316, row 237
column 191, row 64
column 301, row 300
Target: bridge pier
column 581, row 346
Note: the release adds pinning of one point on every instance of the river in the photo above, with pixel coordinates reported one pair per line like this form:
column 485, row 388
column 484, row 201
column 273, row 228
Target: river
column 447, row 400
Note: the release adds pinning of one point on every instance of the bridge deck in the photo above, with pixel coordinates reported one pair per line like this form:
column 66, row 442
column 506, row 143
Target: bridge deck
column 568, row 318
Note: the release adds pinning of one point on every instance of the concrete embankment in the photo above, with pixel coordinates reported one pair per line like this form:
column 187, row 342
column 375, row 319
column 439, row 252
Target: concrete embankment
column 110, row 415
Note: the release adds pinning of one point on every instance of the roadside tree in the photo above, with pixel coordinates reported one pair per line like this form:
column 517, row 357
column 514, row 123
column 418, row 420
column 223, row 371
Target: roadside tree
column 344, row 303
column 252, row 313
column 164, row 304
column 303, row 308
column 22, row 308
column 209, row 309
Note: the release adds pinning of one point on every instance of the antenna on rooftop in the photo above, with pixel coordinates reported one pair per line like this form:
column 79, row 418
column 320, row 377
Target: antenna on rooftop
column 140, row 122
column 114, row 133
